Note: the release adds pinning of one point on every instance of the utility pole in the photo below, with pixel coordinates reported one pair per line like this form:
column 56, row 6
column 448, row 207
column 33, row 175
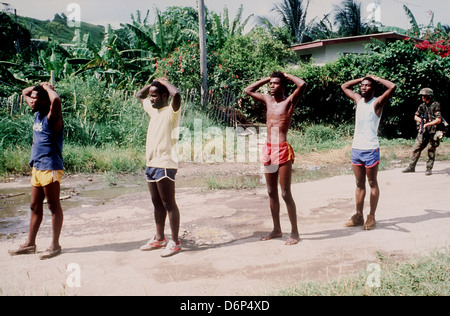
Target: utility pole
column 203, row 56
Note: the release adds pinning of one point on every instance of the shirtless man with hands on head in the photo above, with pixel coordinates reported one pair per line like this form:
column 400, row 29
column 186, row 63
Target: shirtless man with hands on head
column 278, row 155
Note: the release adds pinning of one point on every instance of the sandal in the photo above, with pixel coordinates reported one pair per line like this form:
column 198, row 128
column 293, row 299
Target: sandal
column 47, row 254
column 29, row 250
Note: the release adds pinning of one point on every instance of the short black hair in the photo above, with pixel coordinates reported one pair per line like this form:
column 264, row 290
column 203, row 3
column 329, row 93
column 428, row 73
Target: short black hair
column 376, row 86
column 279, row 74
column 372, row 81
column 162, row 89
column 42, row 94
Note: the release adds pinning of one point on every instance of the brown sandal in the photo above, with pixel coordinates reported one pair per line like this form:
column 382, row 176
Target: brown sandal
column 29, row 250
column 47, row 254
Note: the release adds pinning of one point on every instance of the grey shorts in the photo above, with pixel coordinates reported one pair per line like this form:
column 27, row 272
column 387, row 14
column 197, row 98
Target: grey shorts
column 157, row 174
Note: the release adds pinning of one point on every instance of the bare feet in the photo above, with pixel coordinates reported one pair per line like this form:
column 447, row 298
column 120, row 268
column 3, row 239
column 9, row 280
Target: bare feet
column 293, row 240
column 272, row 235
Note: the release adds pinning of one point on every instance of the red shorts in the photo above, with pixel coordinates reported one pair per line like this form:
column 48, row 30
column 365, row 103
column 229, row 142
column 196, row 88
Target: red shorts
column 277, row 154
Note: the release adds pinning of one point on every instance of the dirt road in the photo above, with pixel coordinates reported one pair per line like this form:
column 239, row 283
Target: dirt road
column 222, row 253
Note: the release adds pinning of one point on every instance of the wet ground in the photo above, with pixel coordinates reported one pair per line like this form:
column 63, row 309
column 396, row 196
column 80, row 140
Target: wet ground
column 76, row 191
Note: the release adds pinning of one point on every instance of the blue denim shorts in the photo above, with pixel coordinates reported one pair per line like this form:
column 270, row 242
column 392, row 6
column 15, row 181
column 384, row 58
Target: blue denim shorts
column 367, row 158
column 157, row 174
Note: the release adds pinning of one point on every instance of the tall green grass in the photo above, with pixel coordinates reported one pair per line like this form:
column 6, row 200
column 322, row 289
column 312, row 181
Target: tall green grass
column 90, row 159
column 14, row 160
column 78, row 159
column 105, row 130
column 320, row 137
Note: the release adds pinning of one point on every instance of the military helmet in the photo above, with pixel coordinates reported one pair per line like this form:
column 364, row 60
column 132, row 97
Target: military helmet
column 426, row 91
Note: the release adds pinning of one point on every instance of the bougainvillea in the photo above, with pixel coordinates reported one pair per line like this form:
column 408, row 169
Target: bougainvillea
column 441, row 48
column 436, row 41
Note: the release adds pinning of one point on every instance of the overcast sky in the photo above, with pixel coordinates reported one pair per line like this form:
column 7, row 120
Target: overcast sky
column 115, row 12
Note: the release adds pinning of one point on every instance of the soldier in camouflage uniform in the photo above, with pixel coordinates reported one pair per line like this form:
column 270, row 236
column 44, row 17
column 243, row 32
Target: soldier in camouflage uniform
column 428, row 117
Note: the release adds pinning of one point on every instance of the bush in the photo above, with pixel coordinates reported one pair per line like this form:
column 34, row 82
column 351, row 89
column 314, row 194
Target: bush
column 243, row 59
column 401, row 62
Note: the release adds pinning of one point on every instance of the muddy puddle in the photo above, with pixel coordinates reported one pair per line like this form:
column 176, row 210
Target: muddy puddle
column 75, row 193
column 14, row 210
column 86, row 193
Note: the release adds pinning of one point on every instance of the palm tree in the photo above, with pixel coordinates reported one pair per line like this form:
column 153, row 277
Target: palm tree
column 293, row 17
column 348, row 18
column 320, row 30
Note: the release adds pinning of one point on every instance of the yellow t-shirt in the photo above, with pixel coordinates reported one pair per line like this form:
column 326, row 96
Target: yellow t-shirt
column 162, row 136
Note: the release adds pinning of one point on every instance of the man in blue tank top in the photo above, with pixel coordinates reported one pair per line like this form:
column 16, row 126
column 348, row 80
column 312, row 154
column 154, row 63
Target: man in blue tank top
column 365, row 147
column 47, row 166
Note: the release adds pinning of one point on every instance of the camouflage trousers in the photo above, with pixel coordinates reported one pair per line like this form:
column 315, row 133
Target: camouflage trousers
column 422, row 141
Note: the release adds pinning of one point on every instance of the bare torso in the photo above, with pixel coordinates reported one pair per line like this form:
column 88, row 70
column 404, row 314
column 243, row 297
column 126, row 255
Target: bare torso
column 279, row 116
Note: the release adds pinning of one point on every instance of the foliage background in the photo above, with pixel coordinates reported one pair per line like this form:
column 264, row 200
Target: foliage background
column 96, row 76
column 401, row 62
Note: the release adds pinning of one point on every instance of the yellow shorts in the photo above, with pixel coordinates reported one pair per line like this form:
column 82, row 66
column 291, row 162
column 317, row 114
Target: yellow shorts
column 41, row 178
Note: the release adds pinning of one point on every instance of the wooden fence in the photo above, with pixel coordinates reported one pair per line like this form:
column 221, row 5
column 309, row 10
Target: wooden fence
column 13, row 105
column 221, row 107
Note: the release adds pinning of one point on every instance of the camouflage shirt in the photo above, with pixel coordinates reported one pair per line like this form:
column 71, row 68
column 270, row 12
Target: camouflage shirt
column 430, row 114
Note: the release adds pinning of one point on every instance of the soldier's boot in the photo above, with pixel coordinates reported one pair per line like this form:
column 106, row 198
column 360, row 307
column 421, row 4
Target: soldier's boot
column 409, row 169
column 430, row 162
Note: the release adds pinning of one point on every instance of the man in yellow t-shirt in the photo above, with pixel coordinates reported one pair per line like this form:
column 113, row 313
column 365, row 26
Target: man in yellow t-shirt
column 162, row 163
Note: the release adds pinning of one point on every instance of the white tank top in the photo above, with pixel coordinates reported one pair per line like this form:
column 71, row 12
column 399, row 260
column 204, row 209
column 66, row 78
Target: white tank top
column 366, row 126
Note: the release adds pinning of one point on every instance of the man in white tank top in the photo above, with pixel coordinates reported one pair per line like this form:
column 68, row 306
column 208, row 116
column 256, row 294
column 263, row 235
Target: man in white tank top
column 365, row 147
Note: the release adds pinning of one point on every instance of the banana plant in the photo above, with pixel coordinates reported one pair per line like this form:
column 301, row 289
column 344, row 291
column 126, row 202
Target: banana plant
column 415, row 28
column 107, row 62
column 223, row 29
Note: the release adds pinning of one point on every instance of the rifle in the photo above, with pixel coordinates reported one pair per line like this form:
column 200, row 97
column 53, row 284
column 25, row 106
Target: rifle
column 424, row 116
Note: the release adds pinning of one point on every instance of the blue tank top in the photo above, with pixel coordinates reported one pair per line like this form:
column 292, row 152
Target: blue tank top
column 46, row 153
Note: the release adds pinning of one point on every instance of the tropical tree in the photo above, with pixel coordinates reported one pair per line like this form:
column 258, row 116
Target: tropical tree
column 12, row 36
column 437, row 38
column 292, row 14
column 223, row 29
column 429, row 30
column 182, row 22
column 108, row 63
column 320, row 30
column 153, row 38
column 348, row 19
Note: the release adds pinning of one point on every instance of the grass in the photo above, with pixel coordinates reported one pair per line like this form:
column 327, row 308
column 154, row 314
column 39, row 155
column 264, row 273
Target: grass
column 320, row 137
column 319, row 148
column 214, row 183
column 115, row 159
column 77, row 159
column 424, row 276
column 90, row 159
